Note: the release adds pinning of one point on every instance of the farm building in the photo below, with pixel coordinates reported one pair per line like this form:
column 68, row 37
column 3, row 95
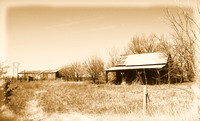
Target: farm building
column 39, row 75
column 147, row 68
column 50, row 74
column 29, row 75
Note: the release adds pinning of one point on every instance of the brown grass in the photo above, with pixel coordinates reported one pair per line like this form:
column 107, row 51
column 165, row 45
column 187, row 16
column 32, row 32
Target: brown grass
column 106, row 101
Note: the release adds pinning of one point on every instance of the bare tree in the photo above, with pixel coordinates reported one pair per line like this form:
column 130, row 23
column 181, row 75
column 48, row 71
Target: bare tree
column 94, row 66
column 3, row 69
column 142, row 44
column 184, row 40
column 65, row 72
column 73, row 71
column 77, row 70
column 114, row 57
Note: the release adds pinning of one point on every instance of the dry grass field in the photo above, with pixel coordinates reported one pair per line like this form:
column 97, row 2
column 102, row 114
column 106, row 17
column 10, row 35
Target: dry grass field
column 59, row 100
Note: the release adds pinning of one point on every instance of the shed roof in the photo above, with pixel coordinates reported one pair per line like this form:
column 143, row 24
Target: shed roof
column 50, row 71
column 39, row 71
column 142, row 61
column 30, row 72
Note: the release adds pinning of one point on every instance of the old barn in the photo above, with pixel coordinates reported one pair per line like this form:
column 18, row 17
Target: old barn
column 39, row 75
column 147, row 68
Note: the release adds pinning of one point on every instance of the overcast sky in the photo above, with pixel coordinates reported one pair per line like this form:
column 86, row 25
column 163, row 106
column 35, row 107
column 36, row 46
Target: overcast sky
column 44, row 37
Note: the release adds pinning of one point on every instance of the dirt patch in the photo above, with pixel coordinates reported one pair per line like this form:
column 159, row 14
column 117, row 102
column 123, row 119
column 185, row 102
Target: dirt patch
column 33, row 111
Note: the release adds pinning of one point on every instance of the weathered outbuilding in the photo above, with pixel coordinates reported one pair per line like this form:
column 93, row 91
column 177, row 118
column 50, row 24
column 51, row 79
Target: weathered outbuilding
column 39, row 75
column 149, row 68
column 50, row 74
column 29, row 75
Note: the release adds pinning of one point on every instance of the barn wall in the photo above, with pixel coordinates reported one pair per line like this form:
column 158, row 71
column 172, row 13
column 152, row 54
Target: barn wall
column 52, row 76
column 48, row 76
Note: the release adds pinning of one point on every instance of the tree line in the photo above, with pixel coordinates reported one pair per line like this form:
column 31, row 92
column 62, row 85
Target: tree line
column 92, row 68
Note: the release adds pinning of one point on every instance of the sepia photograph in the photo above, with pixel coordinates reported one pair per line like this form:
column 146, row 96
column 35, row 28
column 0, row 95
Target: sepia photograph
column 99, row 60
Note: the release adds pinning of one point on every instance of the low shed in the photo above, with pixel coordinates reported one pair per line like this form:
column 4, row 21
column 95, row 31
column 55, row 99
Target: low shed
column 39, row 75
column 148, row 66
column 50, row 74
column 29, row 75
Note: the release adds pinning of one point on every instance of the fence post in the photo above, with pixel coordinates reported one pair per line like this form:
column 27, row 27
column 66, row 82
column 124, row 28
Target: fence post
column 144, row 99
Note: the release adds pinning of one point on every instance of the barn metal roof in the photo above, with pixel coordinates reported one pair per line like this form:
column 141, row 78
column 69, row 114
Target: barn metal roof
column 142, row 61
column 146, row 59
